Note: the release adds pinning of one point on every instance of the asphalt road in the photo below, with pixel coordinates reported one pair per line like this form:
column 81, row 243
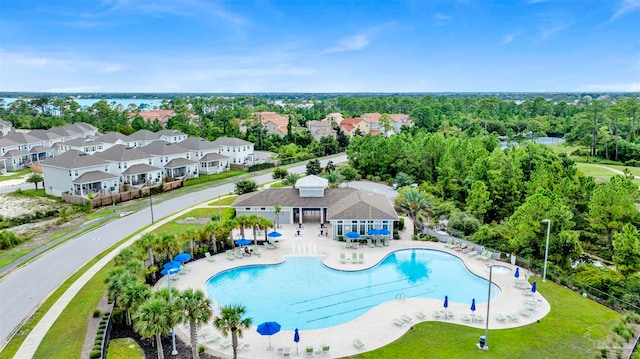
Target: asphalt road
column 22, row 291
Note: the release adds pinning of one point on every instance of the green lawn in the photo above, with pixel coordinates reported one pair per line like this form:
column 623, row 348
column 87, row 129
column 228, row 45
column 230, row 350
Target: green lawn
column 98, row 214
column 603, row 173
column 227, row 201
column 216, row 177
column 11, row 254
column 177, row 228
column 563, row 333
column 14, row 175
column 124, row 348
column 634, row 170
column 559, row 148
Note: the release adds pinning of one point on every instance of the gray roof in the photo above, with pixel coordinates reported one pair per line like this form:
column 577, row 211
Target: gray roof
column 112, row 137
column 5, row 142
column 82, row 142
column 93, row 176
column 4, row 123
column 197, row 143
column 86, row 126
column 143, row 135
column 179, row 162
column 230, row 141
column 140, row 168
column 15, row 153
column 74, row 159
column 164, row 148
column 40, row 149
column 119, row 153
column 213, row 157
column 44, row 134
column 312, row 181
column 343, row 203
column 60, row 131
column 169, row 133
column 22, row 138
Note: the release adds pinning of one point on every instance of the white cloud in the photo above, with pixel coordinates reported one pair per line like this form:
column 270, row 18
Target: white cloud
column 441, row 19
column 553, row 29
column 507, row 39
column 351, row 43
column 626, row 6
column 613, row 87
column 113, row 68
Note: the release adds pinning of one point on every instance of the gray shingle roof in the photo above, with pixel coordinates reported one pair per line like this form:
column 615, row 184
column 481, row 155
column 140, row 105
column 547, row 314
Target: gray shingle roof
column 140, row 168
column 112, row 137
column 60, row 131
column 22, row 138
column 144, row 135
column 74, row 159
column 5, row 142
column 93, row 176
column 197, row 143
column 119, row 153
column 179, row 162
column 343, row 203
column 169, row 133
column 82, row 142
column 44, row 134
column 230, row 141
column 15, row 153
column 164, row 148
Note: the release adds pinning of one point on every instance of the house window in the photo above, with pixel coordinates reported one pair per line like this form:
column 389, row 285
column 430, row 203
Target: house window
column 339, row 229
column 125, row 165
column 119, row 165
column 76, row 173
column 247, row 209
column 149, row 160
column 263, row 209
column 106, row 168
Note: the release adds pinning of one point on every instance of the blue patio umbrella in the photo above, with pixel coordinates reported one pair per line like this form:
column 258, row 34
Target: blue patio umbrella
column 168, row 271
column 446, row 301
column 533, row 288
column 353, row 235
column 384, row 232
column 473, row 305
column 373, row 232
column 296, row 338
column 172, row 264
column 269, row 328
column 517, row 275
column 242, row 241
column 274, row 234
column 182, row 257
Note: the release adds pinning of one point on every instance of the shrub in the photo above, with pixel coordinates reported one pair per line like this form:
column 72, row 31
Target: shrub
column 200, row 349
column 100, row 331
column 632, row 163
column 95, row 354
column 400, row 223
column 97, row 313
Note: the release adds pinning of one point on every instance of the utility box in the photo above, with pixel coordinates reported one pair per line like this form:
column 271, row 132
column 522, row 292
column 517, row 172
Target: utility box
column 483, row 341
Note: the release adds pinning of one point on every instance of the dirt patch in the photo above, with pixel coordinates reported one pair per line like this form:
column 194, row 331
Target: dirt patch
column 193, row 220
column 14, row 206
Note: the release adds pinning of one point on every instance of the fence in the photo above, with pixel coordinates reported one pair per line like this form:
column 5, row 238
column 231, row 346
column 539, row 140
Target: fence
column 131, row 194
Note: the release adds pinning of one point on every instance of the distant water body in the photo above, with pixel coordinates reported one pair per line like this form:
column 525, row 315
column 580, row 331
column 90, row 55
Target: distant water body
column 540, row 140
column 150, row 103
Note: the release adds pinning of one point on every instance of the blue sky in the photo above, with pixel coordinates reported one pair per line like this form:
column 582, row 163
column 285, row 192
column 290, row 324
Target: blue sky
column 319, row 46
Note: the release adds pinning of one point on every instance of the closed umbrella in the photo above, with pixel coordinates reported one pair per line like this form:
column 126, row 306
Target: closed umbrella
column 517, row 274
column 446, row 301
column 533, row 288
column 269, row 328
column 473, row 305
column 296, row 338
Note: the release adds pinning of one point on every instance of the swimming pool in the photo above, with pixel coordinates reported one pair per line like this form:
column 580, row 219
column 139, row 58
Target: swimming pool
column 303, row 293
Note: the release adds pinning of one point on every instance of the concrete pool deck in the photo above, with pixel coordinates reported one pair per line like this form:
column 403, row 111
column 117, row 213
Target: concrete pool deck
column 376, row 327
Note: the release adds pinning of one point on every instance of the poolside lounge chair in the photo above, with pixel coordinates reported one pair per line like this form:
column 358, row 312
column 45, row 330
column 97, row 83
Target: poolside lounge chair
column 211, row 338
column 449, row 243
column 256, row 250
column 399, row 322
column 487, row 256
column 225, row 343
column 437, row 314
column 360, row 257
column 370, row 243
column 230, row 255
column 286, row 351
column 450, row 314
column 274, row 243
column 530, row 302
column 525, row 312
column 406, row 318
column 466, row 318
column 378, row 242
column 473, row 253
column 239, row 253
column 209, row 257
column 513, row 316
column 385, row 241
column 421, row 316
column 268, row 245
column 354, row 257
column 479, row 318
column 309, row 351
column 501, row 318
column 358, row 343
column 343, row 258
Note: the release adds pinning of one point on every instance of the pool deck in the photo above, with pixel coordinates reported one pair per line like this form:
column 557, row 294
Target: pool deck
column 376, row 327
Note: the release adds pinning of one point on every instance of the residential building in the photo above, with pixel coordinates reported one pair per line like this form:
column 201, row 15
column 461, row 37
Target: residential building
column 240, row 151
column 5, row 128
column 122, row 157
column 115, row 138
column 86, row 145
column 172, row 136
column 16, row 160
column 162, row 116
column 78, row 173
column 353, row 126
column 173, row 158
column 274, row 123
column 344, row 209
column 207, row 153
column 324, row 127
column 142, row 138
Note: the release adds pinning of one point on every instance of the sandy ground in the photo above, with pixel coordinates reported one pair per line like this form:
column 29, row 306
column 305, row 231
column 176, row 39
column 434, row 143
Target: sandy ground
column 11, row 206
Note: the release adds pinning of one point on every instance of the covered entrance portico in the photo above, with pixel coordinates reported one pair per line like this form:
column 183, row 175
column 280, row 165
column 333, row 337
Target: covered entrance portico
column 303, row 215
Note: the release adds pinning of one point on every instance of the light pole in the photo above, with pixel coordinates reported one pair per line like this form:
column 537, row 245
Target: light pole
column 151, row 203
column 546, row 251
column 370, row 224
column 486, row 328
column 171, row 271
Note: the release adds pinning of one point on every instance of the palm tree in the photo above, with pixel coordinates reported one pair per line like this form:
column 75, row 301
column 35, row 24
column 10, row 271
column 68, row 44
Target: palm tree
column 149, row 241
column 210, row 232
column 334, row 178
column 117, row 280
column 35, row 178
column 131, row 298
column 125, row 255
column 231, row 321
column 189, row 235
column 169, row 245
column 264, row 224
column 253, row 222
column 291, row 179
column 195, row 309
column 242, row 222
column 414, row 201
column 153, row 318
column 277, row 210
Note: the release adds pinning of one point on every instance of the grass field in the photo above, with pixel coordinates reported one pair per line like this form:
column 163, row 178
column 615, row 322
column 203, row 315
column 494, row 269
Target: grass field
column 98, row 214
column 227, row 201
column 11, row 254
column 15, row 175
column 124, row 348
column 566, row 332
column 178, row 228
column 604, row 174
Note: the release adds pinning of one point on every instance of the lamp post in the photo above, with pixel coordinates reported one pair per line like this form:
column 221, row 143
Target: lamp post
column 173, row 334
column 546, row 251
column 370, row 224
column 151, row 203
column 486, row 328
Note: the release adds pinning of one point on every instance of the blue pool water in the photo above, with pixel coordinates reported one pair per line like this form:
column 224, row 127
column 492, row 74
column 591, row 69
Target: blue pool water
column 303, row 293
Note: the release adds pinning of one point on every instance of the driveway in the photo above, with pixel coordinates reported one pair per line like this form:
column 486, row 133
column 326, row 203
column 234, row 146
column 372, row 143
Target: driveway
column 22, row 291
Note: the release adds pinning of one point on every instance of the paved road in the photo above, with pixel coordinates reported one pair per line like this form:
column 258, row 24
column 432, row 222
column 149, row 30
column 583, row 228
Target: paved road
column 22, row 291
column 22, row 186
